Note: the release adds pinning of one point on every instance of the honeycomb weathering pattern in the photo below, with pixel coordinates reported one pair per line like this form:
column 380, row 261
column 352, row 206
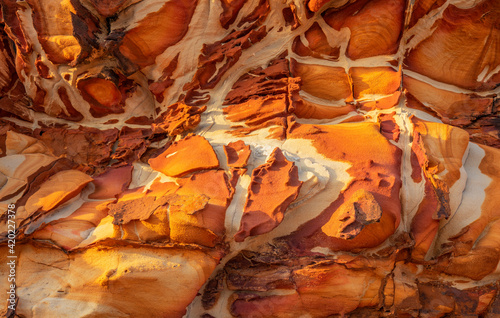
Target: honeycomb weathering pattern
column 251, row 158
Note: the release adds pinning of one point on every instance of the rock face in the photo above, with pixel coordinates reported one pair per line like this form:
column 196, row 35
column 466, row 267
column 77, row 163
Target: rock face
column 237, row 158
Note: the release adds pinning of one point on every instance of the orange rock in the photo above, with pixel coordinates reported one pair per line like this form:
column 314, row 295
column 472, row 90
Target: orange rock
column 453, row 108
column 111, row 183
column 440, row 164
column 141, row 209
column 227, row 50
column 58, row 189
column 17, row 143
column 107, row 8
column 269, row 80
column 353, row 215
column 16, row 170
column 105, row 91
column 453, row 301
column 422, row 8
column 8, row 72
column 187, row 155
column 138, row 215
column 125, row 209
column 257, row 111
column 483, row 130
column 237, row 154
column 14, row 99
column 70, row 231
column 143, row 43
column 247, row 103
column 454, row 45
column 375, row 26
column 406, row 293
column 315, row 5
column 386, row 214
column 58, row 106
column 177, row 119
column 375, row 169
column 290, row 16
column 274, row 186
column 354, row 119
column 230, row 8
column 307, row 109
column 199, row 211
column 52, row 20
column 474, row 250
column 116, row 281
column 443, row 160
column 321, row 289
column 371, row 82
column 382, row 103
column 276, row 132
column 388, row 126
column 165, row 81
column 85, row 145
column 132, row 144
column 318, row 45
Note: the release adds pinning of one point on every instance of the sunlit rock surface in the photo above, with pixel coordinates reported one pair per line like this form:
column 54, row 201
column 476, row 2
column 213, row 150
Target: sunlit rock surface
column 251, row 158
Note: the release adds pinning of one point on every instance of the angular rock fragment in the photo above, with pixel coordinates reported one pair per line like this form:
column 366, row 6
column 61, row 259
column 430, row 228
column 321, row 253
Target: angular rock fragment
column 143, row 43
column 274, row 186
column 237, row 154
column 132, row 144
column 374, row 168
column 111, row 183
column 198, row 214
column 190, row 154
column 58, row 189
column 250, row 100
column 353, row 215
column 389, row 127
column 140, row 208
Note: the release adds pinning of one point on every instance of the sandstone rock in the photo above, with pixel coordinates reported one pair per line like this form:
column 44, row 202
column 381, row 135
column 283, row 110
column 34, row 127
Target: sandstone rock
column 237, row 154
column 274, row 186
column 235, row 158
column 351, row 217
column 190, row 154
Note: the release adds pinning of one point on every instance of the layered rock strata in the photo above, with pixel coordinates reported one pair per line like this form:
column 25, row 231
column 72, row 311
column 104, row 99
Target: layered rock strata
column 251, row 158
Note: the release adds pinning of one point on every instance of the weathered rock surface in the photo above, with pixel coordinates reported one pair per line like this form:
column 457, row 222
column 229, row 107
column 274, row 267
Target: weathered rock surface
column 237, row 158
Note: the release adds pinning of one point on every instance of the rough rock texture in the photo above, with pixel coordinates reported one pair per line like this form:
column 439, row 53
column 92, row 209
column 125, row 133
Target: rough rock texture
column 250, row 158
